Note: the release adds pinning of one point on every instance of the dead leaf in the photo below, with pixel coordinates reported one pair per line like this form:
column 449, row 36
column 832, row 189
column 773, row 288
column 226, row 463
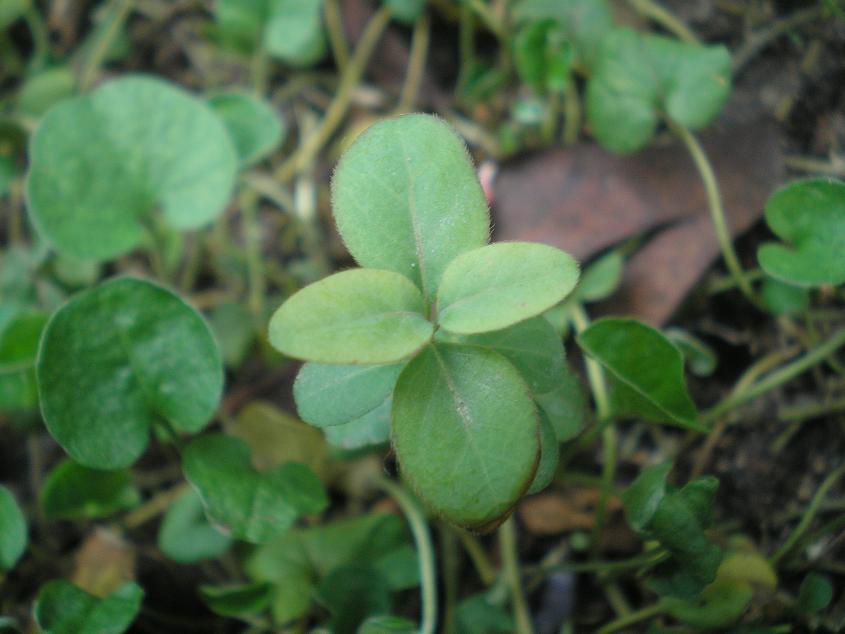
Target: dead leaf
column 584, row 199
column 555, row 512
column 104, row 562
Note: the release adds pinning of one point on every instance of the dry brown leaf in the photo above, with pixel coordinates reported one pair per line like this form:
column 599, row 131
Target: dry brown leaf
column 584, row 199
column 104, row 562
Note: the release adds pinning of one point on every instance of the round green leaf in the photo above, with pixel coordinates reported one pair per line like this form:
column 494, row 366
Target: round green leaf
column 101, row 164
column 543, row 55
column 13, row 530
column 118, row 358
column 373, row 428
column 565, row 405
column 328, row 395
column 72, row 491
column 254, row 126
column 701, row 358
column 637, row 77
column 781, row 298
column 810, row 215
column 353, row 593
column 62, row 608
column 601, row 278
column 358, row 316
column 238, row 599
column 406, row 11
column 815, row 594
column 406, row 198
column 20, row 331
column 294, row 31
column 185, row 534
column 648, row 368
column 501, row 284
column 42, row 90
column 454, row 409
column 243, row 502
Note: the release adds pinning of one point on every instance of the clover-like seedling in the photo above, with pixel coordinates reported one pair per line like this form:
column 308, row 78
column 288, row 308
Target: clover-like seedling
column 439, row 323
column 102, row 164
column 63, row 608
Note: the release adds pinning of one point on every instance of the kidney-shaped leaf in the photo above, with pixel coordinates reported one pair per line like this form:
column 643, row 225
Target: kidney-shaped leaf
column 72, row 491
column 245, row 503
column 101, row 164
column 254, row 126
column 186, row 536
column 466, row 432
column 637, row 77
column 357, row 316
column 406, row 198
column 13, row 531
column 118, row 358
column 501, row 284
column 328, row 395
column 647, row 368
column 809, row 214
column 62, row 608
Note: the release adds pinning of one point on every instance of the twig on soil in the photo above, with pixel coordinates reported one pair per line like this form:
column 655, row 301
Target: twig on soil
column 416, row 65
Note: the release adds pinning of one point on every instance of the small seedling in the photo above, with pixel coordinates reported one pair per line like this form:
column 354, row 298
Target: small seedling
column 63, row 608
column 437, row 323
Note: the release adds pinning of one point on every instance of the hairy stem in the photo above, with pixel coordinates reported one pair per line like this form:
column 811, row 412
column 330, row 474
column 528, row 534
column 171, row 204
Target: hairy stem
column 425, row 551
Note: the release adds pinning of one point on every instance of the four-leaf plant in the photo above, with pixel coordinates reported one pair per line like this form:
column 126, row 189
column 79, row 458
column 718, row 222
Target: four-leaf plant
column 437, row 322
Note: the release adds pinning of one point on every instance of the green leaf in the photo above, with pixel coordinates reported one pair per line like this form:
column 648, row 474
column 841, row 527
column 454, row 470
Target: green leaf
column 116, row 359
column 62, row 608
column 477, row 614
column 294, row 32
column 20, row 332
column 549, row 455
column 406, row 11
column 720, row 604
column 648, row 369
column 809, row 215
column 387, row 625
column 44, row 89
column 532, row 346
column 11, row 10
column 242, row 599
column 642, row 498
column 543, row 56
column 362, row 316
column 584, row 22
column 328, row 395
column 185, row 534
column 784, row 299
column 815, row 594
column 701, row 358
column 566, row 405
column 13, row 531
column 72, row 491
column 639, row 77
column 373, row 428
column 353, row 593
column 254, row 126
column 102, row 164
column 601, row 278
column 454, row 408
column 8, row 625
column 249, row 505
column 406, row 198
column 498, row 285
column 241, row 22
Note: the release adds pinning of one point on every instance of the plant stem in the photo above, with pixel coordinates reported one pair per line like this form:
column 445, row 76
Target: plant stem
column 428, row 571
column 510, row 562
column 572, row 112
column 486, row 571
column 634, row 617
column 337, row 38
column 153, row 507
column 809, row 514
column 778, row 377
column 659, row 14
column 717, row 213
column 255, row 266
column 490, row 20
column 339, row 105
column 40, row 38
column 416, row 65
column 598, row 385
column 100, row 46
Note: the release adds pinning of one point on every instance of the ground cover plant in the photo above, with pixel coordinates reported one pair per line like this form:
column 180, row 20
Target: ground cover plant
column 265, row 367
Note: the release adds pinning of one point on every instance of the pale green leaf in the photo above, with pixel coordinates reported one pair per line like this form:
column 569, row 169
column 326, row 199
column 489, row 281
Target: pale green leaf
column 454, row 409
column 373, row 428
column 549, row 455
column 406, row 198
column 294, row 31
column 243, row 599
column 601, row 278
column 362, row 316
column 116, row 359
column 185, row 534
column 102, row 164
column 255, row 128
column 498, row 285
column 13, row 531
